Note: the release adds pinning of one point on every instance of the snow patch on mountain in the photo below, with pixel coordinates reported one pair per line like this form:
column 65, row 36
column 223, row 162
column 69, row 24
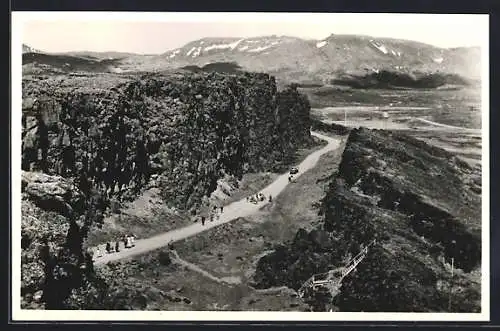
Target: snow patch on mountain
column 321, row 44
column 259, row 49
column 379, row 46
column 190, row 51
column 244, row 48
column 174, row 53
column 395, row 53
column 382, row 48
column 196, row 52
column 438, row 60
column 263, row 45
column 231, row 46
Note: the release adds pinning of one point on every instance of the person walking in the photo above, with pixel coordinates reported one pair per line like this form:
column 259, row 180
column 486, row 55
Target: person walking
column 117, row 246
column 108, row 247
column 203, row 220
column 221, row 209
column 89, row 256
column 270, row 198
column 98, row 252
column 132, row 240
column 129, row 242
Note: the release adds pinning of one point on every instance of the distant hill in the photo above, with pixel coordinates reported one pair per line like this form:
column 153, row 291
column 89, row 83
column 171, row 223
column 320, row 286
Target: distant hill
column 99, row 55
column 67, row 63
column 391, row 79
column 299, row 60
column 226, row 67
column 28, row 49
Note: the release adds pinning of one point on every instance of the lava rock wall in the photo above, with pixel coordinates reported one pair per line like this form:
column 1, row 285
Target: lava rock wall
column 186, row 131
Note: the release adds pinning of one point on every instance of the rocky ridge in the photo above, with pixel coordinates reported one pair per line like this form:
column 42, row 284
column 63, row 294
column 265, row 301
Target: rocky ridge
column 420, row 203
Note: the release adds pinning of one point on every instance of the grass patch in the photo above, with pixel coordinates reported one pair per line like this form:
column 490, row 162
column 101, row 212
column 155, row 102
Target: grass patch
column 146, row 216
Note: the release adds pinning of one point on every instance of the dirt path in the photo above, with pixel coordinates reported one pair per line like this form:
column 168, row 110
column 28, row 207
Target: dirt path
column 273, row 290
column 237, row 209
column 228, row 280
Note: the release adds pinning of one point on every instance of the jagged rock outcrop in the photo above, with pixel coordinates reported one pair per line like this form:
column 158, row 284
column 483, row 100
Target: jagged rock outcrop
column 56, row 217
column 51, row 193
column 421, row 203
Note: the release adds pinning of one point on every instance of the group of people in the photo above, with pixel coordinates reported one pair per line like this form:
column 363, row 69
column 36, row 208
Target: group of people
column 259, row 197
column 128, row 242
column 213, row 214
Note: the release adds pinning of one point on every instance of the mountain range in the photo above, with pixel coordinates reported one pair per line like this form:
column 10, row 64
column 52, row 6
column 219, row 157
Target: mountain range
column 289, row 58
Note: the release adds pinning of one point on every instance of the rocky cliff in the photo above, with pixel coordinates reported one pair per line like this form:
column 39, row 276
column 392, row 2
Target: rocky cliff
column 423, row 207
column 185, row 131
column 90, row 139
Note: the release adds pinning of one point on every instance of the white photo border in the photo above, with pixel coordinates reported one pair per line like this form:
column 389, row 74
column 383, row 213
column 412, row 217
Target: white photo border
column 18, row 314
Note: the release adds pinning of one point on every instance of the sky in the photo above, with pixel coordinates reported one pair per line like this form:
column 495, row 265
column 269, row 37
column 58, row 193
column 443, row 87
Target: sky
column 154, row 33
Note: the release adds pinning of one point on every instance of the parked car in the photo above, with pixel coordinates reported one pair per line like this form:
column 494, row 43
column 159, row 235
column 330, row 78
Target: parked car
column 294, row 171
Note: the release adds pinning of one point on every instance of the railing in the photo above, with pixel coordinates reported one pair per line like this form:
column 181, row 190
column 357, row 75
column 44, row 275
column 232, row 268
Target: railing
column 330, row 279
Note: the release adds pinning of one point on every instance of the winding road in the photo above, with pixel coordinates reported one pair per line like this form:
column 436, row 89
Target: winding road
column 233, row 211
column 423, row 120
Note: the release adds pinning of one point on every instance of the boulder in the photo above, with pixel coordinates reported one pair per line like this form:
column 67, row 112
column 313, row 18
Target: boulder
column 51, row 193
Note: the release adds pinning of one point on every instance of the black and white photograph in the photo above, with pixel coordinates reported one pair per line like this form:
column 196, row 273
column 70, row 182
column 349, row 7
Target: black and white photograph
column 250, row 166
